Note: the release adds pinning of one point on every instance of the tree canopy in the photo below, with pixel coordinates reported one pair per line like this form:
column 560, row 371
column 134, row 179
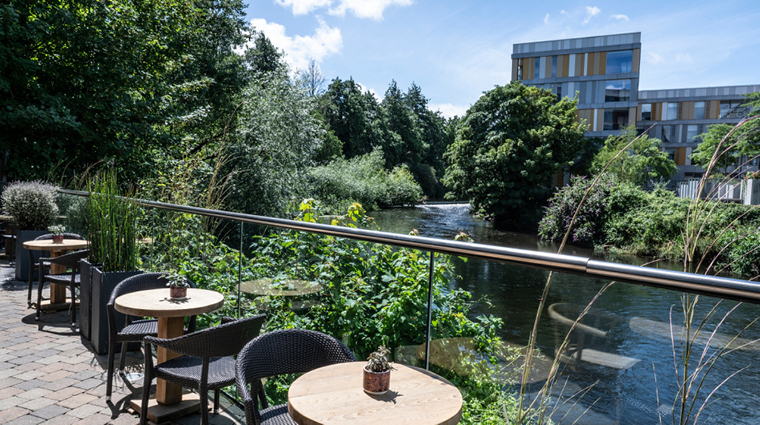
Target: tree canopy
column 509, row 144
column 743, row 143
column 643, row 162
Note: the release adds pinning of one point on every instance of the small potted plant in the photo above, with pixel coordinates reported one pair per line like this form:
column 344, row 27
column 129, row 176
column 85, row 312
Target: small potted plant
column 57, row 231
column 377, row 372
column 177, row 285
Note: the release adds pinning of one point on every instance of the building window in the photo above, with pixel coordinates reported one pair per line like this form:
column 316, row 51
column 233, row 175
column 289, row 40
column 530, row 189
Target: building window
column 699, row 110
column 615, row 119
column 559, row 91
column 691, row 133
column 617, row 90
column 646, row 112
column 666, row 135
column 554, row 66
column 671, row 152
column 733, row 109
column 672, row 111
column 619, row 62
column 537, row 68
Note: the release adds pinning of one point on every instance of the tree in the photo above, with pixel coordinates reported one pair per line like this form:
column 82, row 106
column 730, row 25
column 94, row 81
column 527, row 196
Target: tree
column 91, row 80
column 355, row 117
column 263, row 57
column 312, row 80
column 403, row 123
column 743, row 144
column 509, row 145
column 644, row 161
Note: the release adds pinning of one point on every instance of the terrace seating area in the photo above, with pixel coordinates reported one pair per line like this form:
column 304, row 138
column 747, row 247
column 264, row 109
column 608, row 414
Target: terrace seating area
column 49, row 374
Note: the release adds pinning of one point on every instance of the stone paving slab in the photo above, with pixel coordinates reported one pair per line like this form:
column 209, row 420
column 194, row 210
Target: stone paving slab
column 50, row 375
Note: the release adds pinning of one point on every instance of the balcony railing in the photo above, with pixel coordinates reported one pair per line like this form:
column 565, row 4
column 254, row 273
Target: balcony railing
column 618, row 355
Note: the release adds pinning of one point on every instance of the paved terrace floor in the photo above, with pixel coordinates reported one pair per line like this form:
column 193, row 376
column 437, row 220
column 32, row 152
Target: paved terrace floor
column 49, row 374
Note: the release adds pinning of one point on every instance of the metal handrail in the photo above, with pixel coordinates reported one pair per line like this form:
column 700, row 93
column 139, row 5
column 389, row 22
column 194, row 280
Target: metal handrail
column 716, row 286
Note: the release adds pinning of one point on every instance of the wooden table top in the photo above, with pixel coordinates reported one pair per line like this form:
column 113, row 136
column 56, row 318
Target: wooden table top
column 49, row 245
column 156, row 303
column 284, row 288
column 333, row 394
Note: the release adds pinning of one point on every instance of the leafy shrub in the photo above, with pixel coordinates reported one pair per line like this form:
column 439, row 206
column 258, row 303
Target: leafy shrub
column 363, row 179
column 742, row 251
column 610, row 197
column 31, row 204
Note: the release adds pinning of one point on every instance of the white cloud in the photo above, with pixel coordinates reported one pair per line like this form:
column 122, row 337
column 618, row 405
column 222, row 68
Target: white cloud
column 360, row 8
column 654, row 58
column 591, row 11
column 620, row 16
column 299, row 50
column 546, row 19
column 302, row 7
column 448, row 110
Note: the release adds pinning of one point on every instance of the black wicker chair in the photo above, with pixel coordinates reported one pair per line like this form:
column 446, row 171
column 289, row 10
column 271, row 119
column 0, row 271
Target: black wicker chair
column 206, row 361
column 71, row 278
column 33, row 266
column 277, row 353
column 130, row 329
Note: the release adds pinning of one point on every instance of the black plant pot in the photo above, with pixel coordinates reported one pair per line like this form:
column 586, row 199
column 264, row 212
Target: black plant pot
column 22, row 254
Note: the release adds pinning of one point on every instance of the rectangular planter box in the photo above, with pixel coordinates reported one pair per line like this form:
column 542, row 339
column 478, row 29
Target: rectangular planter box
column 85, row 299
column 101, row 286
column 22, row 254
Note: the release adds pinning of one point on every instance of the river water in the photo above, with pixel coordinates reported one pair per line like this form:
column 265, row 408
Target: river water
column 625, row 356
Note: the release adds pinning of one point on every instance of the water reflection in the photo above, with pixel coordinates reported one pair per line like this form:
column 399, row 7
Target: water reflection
column 625, row 340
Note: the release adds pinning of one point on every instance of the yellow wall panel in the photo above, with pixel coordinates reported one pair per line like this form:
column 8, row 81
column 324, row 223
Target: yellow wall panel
column 580, row 58
column 548, row 71
column 528, row 68
column 566, row 65
column 712, row 109
column 632, row 115
column 636, row 60
column 602, row 63
column 590, row 66
column 680, row 156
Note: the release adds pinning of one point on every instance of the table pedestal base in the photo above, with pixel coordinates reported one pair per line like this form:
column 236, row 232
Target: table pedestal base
column 161, row 413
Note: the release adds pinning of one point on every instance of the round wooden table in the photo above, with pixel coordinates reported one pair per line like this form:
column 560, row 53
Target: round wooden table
column 333, row 394
column 171, row 320
column 57, row 292
column 284, row 288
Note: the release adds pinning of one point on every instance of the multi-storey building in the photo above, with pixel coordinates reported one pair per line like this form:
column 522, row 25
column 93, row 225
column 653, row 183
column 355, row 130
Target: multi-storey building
column 679, row 116
column 603, row 72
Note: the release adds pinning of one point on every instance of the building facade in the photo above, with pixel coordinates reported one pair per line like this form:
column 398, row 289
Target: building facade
column 603, row 71
column 679, row 116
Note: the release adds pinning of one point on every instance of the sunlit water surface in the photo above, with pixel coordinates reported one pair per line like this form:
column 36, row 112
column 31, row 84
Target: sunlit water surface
column 636, row 320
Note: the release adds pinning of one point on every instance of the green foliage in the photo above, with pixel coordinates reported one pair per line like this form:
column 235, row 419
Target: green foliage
column 607, row 201
column 111, row 224
column 31, row 205
column 276, row 139
column 509, row 145
column 621, row 216
column 644, row 162
column 741, row 248
column 363, row 179
column 402, row 125
column 89, row 80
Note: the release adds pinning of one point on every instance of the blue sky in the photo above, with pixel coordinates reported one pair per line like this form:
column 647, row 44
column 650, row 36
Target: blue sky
column 456, row 50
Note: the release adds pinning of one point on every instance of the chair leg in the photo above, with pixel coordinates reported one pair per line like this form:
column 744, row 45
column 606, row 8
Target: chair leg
column 109, row 382
column 204, row 406
column 216, row 401
column 73, row 308
column 40, row 284
column 145, row 398
column 123, row 357
column 31, row 277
